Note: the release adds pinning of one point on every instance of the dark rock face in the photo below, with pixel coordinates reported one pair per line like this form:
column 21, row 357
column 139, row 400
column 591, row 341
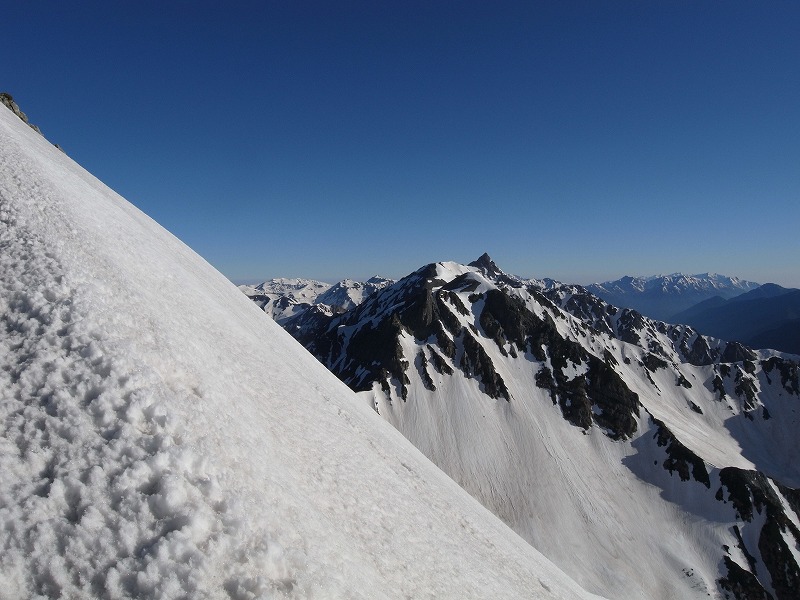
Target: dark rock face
column 476, row 362
column 680, row 459
column 788, row 370
column 736, row 352
column 506, row 320
column 750, row 493
column 653, row 363
column 423, row 308
column 439, row 363
column 741, row 584
column 488, row 267
column 700, row 352
column 362, row 350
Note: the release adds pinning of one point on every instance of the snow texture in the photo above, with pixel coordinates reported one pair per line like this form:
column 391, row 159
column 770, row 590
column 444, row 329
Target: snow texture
column 161, row 437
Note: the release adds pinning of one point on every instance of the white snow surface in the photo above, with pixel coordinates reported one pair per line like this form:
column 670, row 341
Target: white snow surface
column 163, row 438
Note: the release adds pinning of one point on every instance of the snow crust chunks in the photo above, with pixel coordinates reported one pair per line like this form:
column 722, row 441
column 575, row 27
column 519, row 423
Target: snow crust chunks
column 98, row 493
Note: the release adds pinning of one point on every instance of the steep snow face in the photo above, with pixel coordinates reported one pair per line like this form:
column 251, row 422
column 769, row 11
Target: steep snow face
column 644, row 459
column 160, row 437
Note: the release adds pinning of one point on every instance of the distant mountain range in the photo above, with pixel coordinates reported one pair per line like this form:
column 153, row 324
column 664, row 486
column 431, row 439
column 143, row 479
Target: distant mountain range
column 283, row 299
column 644, row 459
column 662, row 297
column 766, row 317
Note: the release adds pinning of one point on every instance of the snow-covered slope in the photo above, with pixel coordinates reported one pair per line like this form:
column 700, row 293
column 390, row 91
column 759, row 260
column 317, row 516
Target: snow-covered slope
column 645, row 460
column 160, row 437
column 663, row 296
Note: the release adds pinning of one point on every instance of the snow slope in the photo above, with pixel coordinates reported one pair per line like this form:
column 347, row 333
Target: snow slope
column 163, row 438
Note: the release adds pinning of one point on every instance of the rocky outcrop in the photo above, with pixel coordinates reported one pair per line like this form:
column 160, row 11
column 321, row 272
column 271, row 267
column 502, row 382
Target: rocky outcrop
column 8, row 100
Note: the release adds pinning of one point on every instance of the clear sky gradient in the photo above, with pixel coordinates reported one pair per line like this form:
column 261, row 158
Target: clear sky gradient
column 576, row 140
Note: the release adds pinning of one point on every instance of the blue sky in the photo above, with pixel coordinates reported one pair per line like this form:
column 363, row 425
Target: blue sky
column 576, row 140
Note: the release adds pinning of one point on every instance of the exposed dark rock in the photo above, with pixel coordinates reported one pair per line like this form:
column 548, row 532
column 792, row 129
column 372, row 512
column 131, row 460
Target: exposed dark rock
column 487, row 266
column 609, row 358
column 438, row 362
column 747, row 388
column 618, row 404
column 652, row 362
column 506, row 319
column 544, row 380
column 719, row 387
column 777, row 556
column 591, row 310
column 377, row 350
column 736, row 352
column 680, row 458
column 629, row 325
column 8, row 101
column 453, row 299
column 741, row 584
column 788, row 370
column 422, row 369
column 747, row 490
column 494, row 330
column 476, row 363
column 700, row 353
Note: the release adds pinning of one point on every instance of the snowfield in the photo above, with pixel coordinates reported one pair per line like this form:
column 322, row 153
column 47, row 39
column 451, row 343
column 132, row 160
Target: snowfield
column 163, row 438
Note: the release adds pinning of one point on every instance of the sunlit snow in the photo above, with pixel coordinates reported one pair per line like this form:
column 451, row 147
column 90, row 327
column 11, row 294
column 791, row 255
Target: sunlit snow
column 163, row 438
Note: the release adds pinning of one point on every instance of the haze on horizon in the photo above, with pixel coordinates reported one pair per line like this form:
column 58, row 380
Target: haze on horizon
column 574, row 140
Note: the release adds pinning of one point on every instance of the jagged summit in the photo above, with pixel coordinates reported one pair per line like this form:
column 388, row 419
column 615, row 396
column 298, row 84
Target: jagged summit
column 487, row 266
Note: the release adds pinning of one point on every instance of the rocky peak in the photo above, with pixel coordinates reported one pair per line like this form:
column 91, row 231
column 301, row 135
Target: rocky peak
column 492, row 272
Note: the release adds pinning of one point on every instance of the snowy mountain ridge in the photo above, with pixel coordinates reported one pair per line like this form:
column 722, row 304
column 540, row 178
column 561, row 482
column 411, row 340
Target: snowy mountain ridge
column 525, row 394
column 160, row 437
column 663, row 296
column 283, row 299
column 678, row 281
